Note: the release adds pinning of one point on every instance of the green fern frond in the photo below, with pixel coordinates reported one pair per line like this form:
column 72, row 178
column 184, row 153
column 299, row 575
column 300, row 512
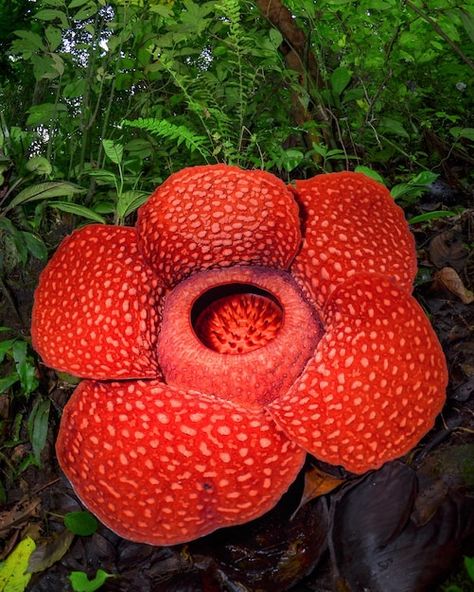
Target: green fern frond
column 176, row 133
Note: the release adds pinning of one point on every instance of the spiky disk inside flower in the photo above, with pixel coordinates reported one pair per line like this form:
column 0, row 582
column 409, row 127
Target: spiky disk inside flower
column 162, row 466
column 218, row 216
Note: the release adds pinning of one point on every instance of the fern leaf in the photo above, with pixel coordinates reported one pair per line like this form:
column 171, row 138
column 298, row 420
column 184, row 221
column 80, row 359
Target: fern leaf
column 176, row 133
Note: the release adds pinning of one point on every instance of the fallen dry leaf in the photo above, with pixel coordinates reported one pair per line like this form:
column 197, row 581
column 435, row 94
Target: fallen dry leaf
column 449, row 278
column 20, row 512
column 447, row 249
column 317, row 483
column 46, row 554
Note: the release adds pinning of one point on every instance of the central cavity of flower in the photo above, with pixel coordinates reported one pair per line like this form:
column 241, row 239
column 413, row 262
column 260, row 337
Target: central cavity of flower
column 240, row 333
column 236, row 318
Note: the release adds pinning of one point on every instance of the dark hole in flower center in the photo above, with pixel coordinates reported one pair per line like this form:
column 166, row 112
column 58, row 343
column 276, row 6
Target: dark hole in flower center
column 236, row 318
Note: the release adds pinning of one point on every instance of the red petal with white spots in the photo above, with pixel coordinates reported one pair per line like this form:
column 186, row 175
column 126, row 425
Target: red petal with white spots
column 163, row 466
column 352, row 225
column 376, row 382
column 217, row 216
column 95, row 312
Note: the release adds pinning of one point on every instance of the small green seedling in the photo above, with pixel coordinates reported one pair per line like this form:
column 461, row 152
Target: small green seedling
column 81, row 583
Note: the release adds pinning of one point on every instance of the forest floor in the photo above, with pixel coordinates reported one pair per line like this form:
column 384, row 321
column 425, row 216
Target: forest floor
column 403, row 528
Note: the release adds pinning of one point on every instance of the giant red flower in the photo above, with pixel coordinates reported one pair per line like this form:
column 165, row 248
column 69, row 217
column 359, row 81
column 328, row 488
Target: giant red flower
column 238, row 326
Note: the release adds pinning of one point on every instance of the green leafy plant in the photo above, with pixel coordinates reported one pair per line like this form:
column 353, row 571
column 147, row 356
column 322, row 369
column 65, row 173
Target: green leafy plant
column 408, row 192
column 30, row 411
column 81, row 583
column 81, row 523
column 127, row 197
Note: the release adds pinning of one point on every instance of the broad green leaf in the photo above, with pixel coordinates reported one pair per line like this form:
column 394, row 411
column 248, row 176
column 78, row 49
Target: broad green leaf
column 276, row 37
column 38, row 427
column 54, row 36
column 49, row 14
column 340, row 78
column 40, row 165
column 77, row 3
column 462, row 132
column 56, row 3
column 113, row 150
column 103, row 175
column 370, row 173
column 393, row 126
column 45, row 112
column 47, row 67
column 431, row 216
column 81, row 523
column 292, row 159
column 44, row 191
column 35, row 246
column 75, row 88
column 129, row 201
column 85, row 12
column 320, row 149
column 400, row 190
column 13, row 576
column 424, row 178
column 29, row 41
column 72, row 208
column 81, row 583
column 104, row 207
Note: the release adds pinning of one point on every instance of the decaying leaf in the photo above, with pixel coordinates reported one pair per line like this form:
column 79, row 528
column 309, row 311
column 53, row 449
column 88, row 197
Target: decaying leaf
column 317, row 483
column 47, row 554
column 13, row 576
column 21, row 511
column 449, row 278
column 447, row 249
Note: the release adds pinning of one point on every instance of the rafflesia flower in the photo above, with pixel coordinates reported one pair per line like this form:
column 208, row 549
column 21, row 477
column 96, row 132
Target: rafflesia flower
column 240, row 325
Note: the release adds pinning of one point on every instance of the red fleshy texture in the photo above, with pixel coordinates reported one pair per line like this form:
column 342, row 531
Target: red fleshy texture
column 95, row 311
column 218, row 216
column 239, row 323
column 376, row 383
column 161, row 466
column 352, row 225
column 254, row 378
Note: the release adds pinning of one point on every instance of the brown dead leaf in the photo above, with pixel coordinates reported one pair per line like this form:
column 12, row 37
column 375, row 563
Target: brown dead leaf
column 20, row 512
column 449, row 279
column 45, row 555
column 447, row 249
column 317, row 483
